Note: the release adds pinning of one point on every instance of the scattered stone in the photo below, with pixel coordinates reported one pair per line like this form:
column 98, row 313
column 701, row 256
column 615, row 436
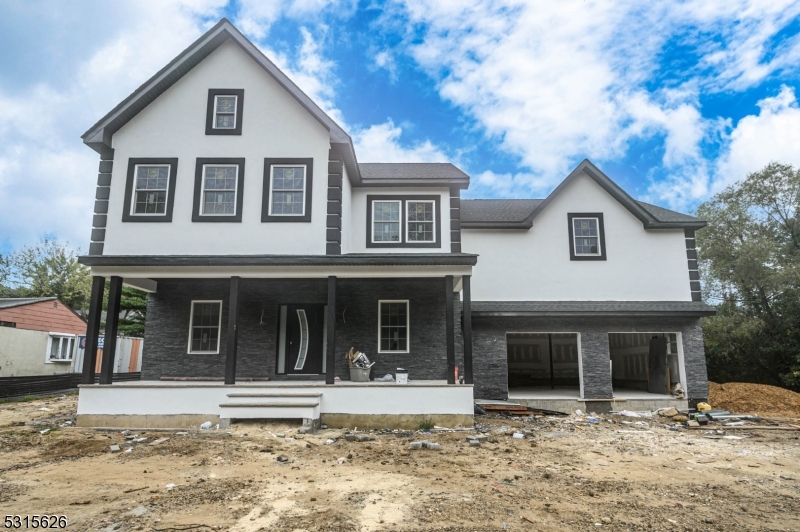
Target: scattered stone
column 415, row 445
column 364, row 437
column 17, row 423
column 680, row 418
column 341, row 459
column 158, row 441
column 170, row 485
column 474, row 443
column 183, row 433
column 130, row 437
column 281, row 435
column 138, row 511
column 669, row 412
column 45, row 431
column 323, row 427
column 606, row 520
column 330, row 441
column 692, row 423
column 350, row 437
column 708, row 520
column 114, row 448
column 478, row 438
column 434, row 447
column 282, row 458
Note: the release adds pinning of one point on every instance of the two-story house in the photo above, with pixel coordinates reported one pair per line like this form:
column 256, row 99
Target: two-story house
column 268, row 251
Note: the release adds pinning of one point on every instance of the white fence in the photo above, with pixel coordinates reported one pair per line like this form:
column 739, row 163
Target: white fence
column 128, row 357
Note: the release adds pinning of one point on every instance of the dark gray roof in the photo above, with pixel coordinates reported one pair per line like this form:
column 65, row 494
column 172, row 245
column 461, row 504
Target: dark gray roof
column 98, row 137
column 593, row 308
column 8, row 302
column 497, row 213
column 425, row 174
column 519, row 214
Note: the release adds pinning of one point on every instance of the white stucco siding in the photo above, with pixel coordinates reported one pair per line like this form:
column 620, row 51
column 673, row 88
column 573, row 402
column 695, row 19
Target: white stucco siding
column 273, row 125
column 359, row 226
column 535, row 265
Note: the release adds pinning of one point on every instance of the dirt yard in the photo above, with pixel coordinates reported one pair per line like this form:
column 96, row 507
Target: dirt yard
column 570, row 474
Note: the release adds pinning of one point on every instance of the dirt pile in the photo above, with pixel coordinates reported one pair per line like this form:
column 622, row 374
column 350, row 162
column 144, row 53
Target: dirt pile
column 748, row 398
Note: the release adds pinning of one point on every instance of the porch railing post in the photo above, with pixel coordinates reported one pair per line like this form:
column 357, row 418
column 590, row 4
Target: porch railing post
column 330, row 361
column 450, row 333
column 93, row 330
column 112, row 323
column 233, row 332
column 467, row 323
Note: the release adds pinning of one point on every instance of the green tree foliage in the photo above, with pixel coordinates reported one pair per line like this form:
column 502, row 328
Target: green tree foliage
column 750, row 261
column 133, row 307
column 48, row 268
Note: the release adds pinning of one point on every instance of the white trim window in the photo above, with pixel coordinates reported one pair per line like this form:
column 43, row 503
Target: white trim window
column 287, row 190
column 205, row 325
column 386, row 220
column 150, row 190
column 586, row 236
column 420, row 221
column 393, row 326
column 225, row 111
column 219, row 189
column 60, row 347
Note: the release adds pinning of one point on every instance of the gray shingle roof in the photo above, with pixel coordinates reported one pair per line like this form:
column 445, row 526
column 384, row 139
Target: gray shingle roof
column 440, row 174
column 574, row 308
column 507, row 212
column 8, row 302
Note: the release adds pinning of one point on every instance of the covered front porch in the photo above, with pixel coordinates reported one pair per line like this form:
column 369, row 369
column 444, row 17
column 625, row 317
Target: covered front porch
column 268, row 340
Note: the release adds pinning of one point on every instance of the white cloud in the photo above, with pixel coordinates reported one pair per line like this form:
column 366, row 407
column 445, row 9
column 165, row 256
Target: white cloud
column 47, row 175
column 554, row 82
column 256, row 17
column 771, row 135
column 381, row 143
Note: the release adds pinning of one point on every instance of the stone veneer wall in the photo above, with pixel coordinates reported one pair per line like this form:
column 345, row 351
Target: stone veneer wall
column 168, row 312
column 490, row 358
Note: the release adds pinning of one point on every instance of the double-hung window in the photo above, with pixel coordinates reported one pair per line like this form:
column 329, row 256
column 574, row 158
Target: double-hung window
column 393, row 326
column 204, row 327
column 287, row 190
column 60, row 348
column 224, row 111
column 403, row 221
column 218, row 190
column 586, row 235
column 150, row 190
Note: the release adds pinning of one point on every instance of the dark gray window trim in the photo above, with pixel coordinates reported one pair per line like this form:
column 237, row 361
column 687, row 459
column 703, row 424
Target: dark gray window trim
column 602, row 235
column 437, row 243
column 198, row 189
column 210, row 129
column 268, row 162
column 173, row 175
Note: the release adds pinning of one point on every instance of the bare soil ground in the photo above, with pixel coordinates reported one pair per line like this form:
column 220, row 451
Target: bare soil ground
column 569, row 475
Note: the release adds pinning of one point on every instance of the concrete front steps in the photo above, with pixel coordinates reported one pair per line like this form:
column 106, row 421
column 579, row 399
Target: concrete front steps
column 273, row 405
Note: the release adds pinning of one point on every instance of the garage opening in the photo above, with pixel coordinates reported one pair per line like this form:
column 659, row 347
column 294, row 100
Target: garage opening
column 540, row 362
column 646, row 362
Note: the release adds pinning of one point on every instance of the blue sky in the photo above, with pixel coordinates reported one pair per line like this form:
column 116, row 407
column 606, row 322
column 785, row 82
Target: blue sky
column 674, row 100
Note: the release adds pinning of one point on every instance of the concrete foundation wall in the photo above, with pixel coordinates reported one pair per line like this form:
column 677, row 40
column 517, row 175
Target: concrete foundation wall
column 168, row 312
column 490, row 357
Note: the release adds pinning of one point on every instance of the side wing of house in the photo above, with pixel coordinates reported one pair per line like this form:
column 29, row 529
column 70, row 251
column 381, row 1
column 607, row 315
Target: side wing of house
column 585, row 295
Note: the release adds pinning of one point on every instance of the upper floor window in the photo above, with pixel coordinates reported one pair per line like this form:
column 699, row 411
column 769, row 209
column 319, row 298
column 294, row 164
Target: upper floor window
column 403, row 221
column 287, row 190
column 587, row 236
column 218, row 190
column 150, row 190
column 224, row 112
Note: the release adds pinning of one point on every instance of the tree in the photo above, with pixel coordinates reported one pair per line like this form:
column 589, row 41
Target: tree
column 133, row 307
column 750, row 260
column 49, row 268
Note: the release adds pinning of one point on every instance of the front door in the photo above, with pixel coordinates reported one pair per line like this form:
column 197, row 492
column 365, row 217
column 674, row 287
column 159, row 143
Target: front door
column 302, row 333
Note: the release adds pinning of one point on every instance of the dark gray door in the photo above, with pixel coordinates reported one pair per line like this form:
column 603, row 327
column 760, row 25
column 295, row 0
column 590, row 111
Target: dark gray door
column 657, row 366
column 304, row 337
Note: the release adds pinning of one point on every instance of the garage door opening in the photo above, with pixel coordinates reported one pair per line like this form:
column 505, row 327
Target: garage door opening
column 646, row 362
column 543, row 362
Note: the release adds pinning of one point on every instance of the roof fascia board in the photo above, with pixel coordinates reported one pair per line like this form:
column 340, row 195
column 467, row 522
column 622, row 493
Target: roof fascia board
column 415, row 181
column 523, row 225
column 587, row 313
column 393, row 259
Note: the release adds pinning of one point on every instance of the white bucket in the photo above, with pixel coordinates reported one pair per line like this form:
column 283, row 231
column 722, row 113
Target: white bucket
column 401, row 376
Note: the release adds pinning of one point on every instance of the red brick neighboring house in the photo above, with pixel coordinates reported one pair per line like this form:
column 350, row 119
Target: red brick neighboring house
column 38, row 336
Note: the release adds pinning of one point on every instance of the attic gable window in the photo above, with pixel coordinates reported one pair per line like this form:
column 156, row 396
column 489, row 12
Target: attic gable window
column 224, row 111
column 586, row 236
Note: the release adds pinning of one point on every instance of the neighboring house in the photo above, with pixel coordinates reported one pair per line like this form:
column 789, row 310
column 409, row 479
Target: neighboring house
column 38, row 336
column 268, row 251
